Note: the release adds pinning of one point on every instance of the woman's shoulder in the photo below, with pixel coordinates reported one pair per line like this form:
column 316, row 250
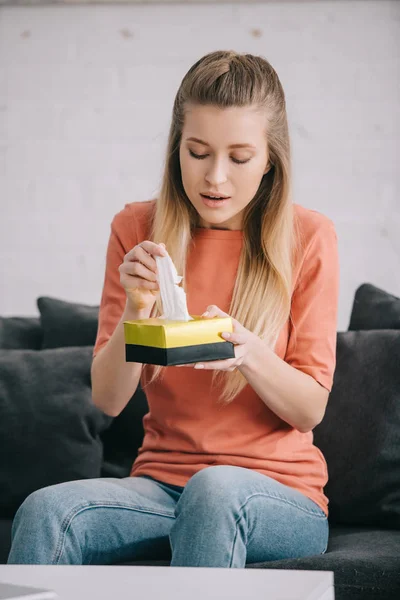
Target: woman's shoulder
column 312, row 224
column 134, row 218
column 311, row 220
column 317, row 240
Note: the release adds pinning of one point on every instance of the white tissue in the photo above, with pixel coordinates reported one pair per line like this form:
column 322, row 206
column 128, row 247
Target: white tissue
column 173, row 297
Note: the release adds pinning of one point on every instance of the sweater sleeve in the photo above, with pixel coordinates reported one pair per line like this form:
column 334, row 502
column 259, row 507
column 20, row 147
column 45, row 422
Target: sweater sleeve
column 313, row 329
column 123, row 237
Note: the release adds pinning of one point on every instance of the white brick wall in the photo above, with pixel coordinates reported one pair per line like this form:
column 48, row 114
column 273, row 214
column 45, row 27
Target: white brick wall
column 86, row 94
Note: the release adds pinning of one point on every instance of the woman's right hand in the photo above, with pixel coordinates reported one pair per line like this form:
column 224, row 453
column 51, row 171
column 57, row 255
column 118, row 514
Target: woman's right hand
column 138, row 275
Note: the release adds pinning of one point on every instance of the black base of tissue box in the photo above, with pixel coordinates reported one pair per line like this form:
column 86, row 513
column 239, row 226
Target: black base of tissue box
column 179, row 356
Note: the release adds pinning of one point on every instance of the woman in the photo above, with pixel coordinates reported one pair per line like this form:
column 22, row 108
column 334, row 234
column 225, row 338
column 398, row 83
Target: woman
column 227, row 473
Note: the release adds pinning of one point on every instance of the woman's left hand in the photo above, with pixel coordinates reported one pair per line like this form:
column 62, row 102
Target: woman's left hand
column 245, row 344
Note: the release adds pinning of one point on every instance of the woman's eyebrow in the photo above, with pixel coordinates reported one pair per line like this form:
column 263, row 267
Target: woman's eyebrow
column 193, row 139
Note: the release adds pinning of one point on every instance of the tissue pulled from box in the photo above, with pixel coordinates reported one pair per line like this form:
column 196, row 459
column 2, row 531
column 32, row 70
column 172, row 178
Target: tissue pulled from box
column 173, row 297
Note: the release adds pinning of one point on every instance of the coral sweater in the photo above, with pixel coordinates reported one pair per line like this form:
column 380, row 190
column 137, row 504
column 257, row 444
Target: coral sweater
column 186, row 429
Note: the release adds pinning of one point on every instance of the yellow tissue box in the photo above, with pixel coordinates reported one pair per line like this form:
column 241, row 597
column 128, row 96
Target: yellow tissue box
column 166, row 342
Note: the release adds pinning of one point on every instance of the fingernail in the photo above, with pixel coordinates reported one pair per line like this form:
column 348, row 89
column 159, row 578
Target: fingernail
column 205, row 314
column 226, row 334
column 199, row 366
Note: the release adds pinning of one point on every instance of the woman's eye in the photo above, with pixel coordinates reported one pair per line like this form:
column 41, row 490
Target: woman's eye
column 240, row 162
column 201, row 156
column 198, row 156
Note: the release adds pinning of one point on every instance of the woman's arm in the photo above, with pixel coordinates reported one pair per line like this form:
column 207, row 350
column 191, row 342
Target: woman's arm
column 114, row 381
column 294, row 396
column 297, row 387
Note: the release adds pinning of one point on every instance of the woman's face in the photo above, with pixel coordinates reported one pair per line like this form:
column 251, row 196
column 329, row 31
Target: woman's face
column 210, row 166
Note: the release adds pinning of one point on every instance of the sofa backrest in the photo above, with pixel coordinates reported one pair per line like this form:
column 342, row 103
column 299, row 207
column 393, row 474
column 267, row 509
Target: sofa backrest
column 359, row 435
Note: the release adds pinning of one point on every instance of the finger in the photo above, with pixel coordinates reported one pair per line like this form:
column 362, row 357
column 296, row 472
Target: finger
column 217, row 364
column 143, row 253
column 138, row 256
column 213, row 311
column 133, row 280
column 137, row 269
column 153, row 248
column 235, row 338
column 238, row 327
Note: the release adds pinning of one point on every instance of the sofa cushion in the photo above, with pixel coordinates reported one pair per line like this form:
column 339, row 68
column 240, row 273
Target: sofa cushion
column 5, row 539
column 67, row 323
column 49, row 426
column 71, row 324
column 360, row 433
column 374, row 308
column 365, row 562
column 20, row 333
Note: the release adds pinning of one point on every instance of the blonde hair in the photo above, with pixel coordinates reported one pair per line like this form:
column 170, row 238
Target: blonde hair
column 262, row 293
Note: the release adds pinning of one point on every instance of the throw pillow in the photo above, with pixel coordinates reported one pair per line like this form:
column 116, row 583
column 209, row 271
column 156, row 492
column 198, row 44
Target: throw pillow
column 20, row 332
column 360, row 433
column 374, row 308
column 67, row 323
column 49, row 426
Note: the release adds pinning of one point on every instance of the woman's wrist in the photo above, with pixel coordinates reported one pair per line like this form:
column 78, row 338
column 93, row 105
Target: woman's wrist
column 131, row 313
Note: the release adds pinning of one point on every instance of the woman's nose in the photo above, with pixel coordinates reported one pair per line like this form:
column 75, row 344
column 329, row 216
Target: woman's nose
column 217, row 173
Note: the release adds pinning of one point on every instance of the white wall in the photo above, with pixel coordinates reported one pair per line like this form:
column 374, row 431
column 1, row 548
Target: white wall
column 86, row 94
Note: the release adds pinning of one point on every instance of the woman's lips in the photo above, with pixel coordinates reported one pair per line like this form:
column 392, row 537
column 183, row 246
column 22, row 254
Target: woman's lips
column 214, row 203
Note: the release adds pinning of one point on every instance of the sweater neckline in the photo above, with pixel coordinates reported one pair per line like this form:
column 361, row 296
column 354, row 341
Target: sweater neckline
column 218, row 234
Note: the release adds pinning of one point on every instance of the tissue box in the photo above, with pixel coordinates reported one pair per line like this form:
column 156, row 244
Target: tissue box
column 165, row 342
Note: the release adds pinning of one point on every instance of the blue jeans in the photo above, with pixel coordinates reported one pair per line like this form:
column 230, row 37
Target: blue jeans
column 225, row 516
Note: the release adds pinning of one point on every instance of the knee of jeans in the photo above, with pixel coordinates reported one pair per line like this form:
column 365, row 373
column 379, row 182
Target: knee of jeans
column 213, row 485
column 39, row 504
column 49, row 502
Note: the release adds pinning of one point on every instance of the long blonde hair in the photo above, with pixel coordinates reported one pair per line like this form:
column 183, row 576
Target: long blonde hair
column 262, row 293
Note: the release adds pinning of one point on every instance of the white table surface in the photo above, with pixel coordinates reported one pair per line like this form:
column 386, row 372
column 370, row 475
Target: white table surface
column 171, row 583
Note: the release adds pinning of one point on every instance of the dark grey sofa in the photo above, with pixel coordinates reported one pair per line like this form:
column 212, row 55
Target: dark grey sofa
column 51, row 432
